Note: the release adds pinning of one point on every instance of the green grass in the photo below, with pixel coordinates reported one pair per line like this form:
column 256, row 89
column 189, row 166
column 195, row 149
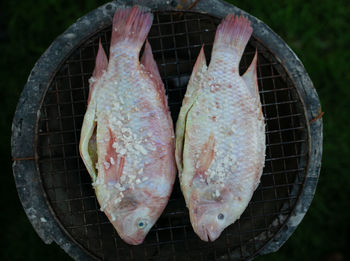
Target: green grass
column 317, row 31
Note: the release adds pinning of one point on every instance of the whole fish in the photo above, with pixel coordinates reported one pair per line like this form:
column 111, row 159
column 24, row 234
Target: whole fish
column 127, row 137
column 220, row 133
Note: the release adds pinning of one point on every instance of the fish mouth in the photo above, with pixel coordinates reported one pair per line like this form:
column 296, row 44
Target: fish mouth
column 132, row 241
column 207, row 235
column 211, row 235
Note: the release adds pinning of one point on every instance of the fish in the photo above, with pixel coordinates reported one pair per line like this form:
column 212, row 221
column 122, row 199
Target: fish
column 220, row 133
column 127, row 138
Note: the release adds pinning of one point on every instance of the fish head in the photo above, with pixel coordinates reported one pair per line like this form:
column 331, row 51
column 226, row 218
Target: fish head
column 134, row 225
column 134, row 217
column 210, row 212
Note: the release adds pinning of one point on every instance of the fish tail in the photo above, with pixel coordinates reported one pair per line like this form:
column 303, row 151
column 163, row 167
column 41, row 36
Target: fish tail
column 233, row 32
column 130, row 28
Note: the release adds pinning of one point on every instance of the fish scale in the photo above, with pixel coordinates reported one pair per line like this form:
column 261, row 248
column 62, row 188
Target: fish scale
column 109, row 96
column 220, row 136
column 129, row 119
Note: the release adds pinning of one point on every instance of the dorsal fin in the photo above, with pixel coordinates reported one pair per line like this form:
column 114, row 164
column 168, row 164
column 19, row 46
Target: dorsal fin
column 101, row 64
column 200, row 65
column 250, row 77
column 199, row 69
column 150, row 66
column 101, row 61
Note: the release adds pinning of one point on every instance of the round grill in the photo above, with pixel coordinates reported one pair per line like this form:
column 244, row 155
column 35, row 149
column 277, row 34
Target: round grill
column 176, row 38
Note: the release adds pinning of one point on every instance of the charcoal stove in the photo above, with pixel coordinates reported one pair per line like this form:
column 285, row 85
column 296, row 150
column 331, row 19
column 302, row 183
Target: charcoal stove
column 55, row 188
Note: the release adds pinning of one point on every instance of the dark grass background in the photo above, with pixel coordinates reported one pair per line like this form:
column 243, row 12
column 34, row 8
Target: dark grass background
column 317, row 31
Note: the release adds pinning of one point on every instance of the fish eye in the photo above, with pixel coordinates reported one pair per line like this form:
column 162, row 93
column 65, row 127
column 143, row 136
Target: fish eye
column 221, row 216
column 142, row 224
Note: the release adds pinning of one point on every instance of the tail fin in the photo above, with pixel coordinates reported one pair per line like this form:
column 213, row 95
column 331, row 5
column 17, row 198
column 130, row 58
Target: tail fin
column 233, row 31
column 130, row 28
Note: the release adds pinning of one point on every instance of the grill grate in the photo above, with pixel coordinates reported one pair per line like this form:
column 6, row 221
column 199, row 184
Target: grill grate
column 176, row 38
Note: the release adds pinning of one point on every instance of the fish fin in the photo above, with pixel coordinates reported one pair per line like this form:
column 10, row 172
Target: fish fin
column 233, row 32
column 101, row 64
column 194, row 84
column 206, row 156
column 150, row 66
column 250, row 77
column 198, row 72
column 200, row 65
column 199, row 69
column 130, row 28
column 113, row 162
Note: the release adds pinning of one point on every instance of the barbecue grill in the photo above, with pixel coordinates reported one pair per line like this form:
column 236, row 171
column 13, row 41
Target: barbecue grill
column 55, row 188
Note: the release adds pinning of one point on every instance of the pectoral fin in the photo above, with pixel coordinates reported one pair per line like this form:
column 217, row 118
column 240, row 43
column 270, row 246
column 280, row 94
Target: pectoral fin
column 113, row 163
column 206, row 157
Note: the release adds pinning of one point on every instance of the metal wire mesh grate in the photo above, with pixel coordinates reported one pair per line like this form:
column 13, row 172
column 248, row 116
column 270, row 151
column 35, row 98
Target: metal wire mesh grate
column 176, row 38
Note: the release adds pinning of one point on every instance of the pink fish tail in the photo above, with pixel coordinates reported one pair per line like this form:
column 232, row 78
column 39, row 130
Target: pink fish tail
column 233, row 32
column 130, row 28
